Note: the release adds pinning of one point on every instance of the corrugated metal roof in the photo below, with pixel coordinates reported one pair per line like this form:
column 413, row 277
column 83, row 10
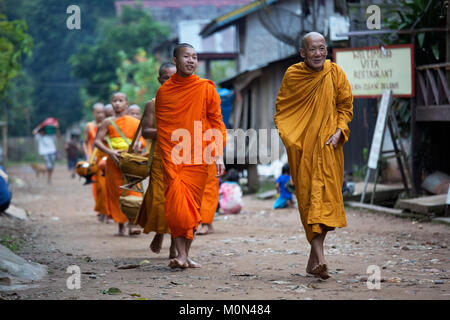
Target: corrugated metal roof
column 230, row 17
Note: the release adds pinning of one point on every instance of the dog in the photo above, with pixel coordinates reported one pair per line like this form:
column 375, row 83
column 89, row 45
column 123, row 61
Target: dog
column 38, row 169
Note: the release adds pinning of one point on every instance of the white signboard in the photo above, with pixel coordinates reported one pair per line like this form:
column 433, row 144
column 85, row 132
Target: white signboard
column 377, row 141
column 372, row 70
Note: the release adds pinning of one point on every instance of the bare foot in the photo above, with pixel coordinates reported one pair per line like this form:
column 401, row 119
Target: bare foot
column 156, row 243
column 175, row 263
column 309, row 266
column 321, row 271
column 121, row 231
column 193, row 264
column 173, row 253
column 205, row 229
column 133, row 232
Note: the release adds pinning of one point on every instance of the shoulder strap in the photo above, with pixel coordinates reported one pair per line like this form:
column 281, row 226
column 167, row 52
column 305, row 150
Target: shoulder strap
column 114, row 124
column 108, row 140
column 130, row 148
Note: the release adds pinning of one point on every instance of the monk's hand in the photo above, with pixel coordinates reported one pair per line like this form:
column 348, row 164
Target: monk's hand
column 114, row 154
column 220, row 166
column 334, row 139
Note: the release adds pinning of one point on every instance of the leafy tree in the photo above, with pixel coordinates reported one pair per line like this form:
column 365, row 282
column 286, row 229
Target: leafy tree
column 55, row 90
column 14, row 43
column 97, row 64
column 137, row 78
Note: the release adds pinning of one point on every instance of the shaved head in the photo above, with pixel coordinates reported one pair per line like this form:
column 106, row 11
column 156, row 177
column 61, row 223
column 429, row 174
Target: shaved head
column 109, row 110
column 306, row 37
column 314, row 50
column 177, row 49
column 97, row 106
column 117, row 94
column 164, row 66
column 135, row 111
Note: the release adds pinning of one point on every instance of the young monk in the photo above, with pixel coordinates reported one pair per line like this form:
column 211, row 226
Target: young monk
column 151, row 215
column 184, row 104
column 134, row 111
column 98, row 187
column 109, row 111
column 313, row 109
column 128, row 126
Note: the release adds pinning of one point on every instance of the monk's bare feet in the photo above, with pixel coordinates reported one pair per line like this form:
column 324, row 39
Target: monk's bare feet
column 173, row 253
column 175, row 263
column 156, row 243
column 132, row 231
column 321, row 271
column 205, row 229
column 121, row 231
column 193, row 264
column 101, row 218
column 309, row 266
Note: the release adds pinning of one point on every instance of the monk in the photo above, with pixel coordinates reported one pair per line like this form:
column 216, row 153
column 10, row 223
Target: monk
column 128, row 126
column 151, row 215
column 98, row 187
column 134, row 111
column 313, row 109
column 109, row 111
column 184, row 106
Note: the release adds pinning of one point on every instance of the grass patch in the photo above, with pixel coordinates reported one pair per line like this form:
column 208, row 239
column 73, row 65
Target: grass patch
column 11, row 243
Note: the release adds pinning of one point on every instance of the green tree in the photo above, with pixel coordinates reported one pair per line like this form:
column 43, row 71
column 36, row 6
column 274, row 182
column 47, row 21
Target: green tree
column 137, row 78
column 14, row 43
column 418, row 14
column 96, row 64
column 55, row 90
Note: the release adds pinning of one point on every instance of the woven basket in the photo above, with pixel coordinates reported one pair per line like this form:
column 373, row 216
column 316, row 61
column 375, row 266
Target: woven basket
column 134, row 165
column 130, row 206
column 84, row 168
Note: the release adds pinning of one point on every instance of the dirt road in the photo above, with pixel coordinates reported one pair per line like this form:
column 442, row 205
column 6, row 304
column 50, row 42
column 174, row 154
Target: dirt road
column 258, row 254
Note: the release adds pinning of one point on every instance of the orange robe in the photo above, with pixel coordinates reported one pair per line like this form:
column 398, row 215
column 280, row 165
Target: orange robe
column 98, row 187
column 151, row 214
column 113, row 176
column 93, row 128
column 186, row 105
column 210, row 196
column 310, row 107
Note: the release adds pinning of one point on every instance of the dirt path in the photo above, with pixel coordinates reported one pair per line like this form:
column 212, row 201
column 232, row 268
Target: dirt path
column 258, row 254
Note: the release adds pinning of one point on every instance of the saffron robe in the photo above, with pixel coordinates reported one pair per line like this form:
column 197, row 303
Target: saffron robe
column 113, row 176
column 210, row 198
column 185, row 108
column 151, row 214
column 98, row 187
column 310, row 107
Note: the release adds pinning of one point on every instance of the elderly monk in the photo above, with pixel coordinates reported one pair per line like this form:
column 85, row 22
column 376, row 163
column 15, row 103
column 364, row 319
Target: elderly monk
column 313, row 109
column 127, row 126
column 185, row 106
column 98, row 187
column 151, row 215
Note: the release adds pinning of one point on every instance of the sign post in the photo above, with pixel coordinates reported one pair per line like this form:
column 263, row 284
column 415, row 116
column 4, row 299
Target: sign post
column 386, row 117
